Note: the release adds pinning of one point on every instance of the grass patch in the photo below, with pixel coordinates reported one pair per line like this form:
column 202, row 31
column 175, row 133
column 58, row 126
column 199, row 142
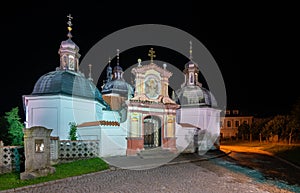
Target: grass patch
column 63, row 170
column 285, row 151
column 288, row 152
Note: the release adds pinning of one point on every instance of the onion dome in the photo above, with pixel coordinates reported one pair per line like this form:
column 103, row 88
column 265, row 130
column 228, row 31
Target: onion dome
column 117, row 85
column 67, row 83
column 195, row 96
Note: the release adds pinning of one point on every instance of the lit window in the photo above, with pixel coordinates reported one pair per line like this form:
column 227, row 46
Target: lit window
column 237, row 123
column 235, row 112
column 227, row 112
column 228, row 123
column 71, row 62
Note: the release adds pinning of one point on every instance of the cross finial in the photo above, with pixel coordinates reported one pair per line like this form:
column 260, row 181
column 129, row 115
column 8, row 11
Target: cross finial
column 151, row 54
column 69, row 25
column 118, row 52
column 109, row 60
column 90, row 72
column 191, row 50
column 70, row 22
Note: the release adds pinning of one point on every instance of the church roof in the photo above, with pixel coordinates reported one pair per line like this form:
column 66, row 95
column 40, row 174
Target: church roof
column 98, row 123
column 145, row 68
column 118, row 86
column 118, row 68
column 195, row 96
column 69, row 44
column 187, row 65
column 68, row 83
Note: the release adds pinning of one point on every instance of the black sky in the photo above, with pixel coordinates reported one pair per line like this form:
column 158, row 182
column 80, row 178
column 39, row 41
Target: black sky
column 255, row 46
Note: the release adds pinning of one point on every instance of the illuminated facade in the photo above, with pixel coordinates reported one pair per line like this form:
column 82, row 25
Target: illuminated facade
column 124, row 118
column 151, row 112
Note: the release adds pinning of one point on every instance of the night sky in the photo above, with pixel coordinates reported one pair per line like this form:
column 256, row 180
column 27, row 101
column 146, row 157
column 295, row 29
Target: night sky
column 255, row 46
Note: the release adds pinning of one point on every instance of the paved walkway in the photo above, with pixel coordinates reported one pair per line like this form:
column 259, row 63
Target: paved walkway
column 119, row 165
column 153, row 161
column 186, row 173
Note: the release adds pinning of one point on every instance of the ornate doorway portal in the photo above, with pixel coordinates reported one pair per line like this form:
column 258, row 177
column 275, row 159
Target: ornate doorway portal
column 152, row 132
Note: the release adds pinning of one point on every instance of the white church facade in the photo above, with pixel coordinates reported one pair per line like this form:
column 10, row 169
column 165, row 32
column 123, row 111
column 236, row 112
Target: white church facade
column 125, row 118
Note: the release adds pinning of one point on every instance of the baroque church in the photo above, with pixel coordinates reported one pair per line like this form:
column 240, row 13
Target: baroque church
column 125, row 118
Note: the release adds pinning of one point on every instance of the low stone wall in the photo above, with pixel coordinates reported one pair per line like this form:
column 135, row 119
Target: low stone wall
column 60, row 151
column 8, row 159
column 67, row 150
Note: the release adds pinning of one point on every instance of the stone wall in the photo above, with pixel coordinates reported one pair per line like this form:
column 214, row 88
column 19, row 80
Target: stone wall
column 72, row 150
column 60, row 151
column 7, row 159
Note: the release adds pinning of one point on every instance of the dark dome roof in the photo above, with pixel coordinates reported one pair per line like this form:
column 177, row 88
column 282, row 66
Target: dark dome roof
column 191, row 96
column 187, row 65
column 118, row 86
column 68, row 83
column 118, row 68
column 69, row 44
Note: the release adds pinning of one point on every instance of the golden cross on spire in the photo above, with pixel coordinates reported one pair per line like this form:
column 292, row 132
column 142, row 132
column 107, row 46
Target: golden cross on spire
column 70, row 25
column 118, row 58
column 151, row 54
column 191, row 50
column 70, row 21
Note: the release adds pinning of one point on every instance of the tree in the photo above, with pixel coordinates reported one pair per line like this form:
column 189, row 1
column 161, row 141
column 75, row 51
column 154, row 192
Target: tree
column 257, row 127
column 295, row 113
column 292, row 130
column 294, row 124
column 15, row 127
column 244, row 130
column 73, row 131
column 4, row 135
column 279, row 126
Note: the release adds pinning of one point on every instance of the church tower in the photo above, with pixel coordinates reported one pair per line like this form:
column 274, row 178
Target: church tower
column 198, row 108
column 191, row 71
column 69, row 51
column 116, row 90
column 64, row 95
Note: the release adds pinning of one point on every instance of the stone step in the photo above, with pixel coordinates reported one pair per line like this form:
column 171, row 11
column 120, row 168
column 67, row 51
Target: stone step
column 156, row 153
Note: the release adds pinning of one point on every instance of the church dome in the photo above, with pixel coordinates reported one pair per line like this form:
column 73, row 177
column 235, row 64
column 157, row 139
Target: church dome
column 68, row 83
column 69, row 44
column 118, row 68
column 118, row 86
column 195, row 96
column 190, row 64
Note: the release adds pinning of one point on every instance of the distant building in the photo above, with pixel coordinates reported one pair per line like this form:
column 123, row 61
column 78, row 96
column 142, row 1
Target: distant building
column 231, row 121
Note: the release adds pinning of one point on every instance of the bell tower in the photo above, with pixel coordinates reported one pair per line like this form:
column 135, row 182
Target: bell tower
column 69, row 51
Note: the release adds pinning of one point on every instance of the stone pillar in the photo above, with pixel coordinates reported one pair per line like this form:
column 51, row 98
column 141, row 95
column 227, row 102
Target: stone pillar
column 134, row 145
column 54, row 145
column 37, row 152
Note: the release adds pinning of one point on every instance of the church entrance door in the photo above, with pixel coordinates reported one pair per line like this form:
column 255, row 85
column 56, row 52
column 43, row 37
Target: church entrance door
column 152, row 132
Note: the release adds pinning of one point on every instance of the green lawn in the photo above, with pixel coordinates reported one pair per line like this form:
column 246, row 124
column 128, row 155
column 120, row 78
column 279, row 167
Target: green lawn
column 75, row 168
